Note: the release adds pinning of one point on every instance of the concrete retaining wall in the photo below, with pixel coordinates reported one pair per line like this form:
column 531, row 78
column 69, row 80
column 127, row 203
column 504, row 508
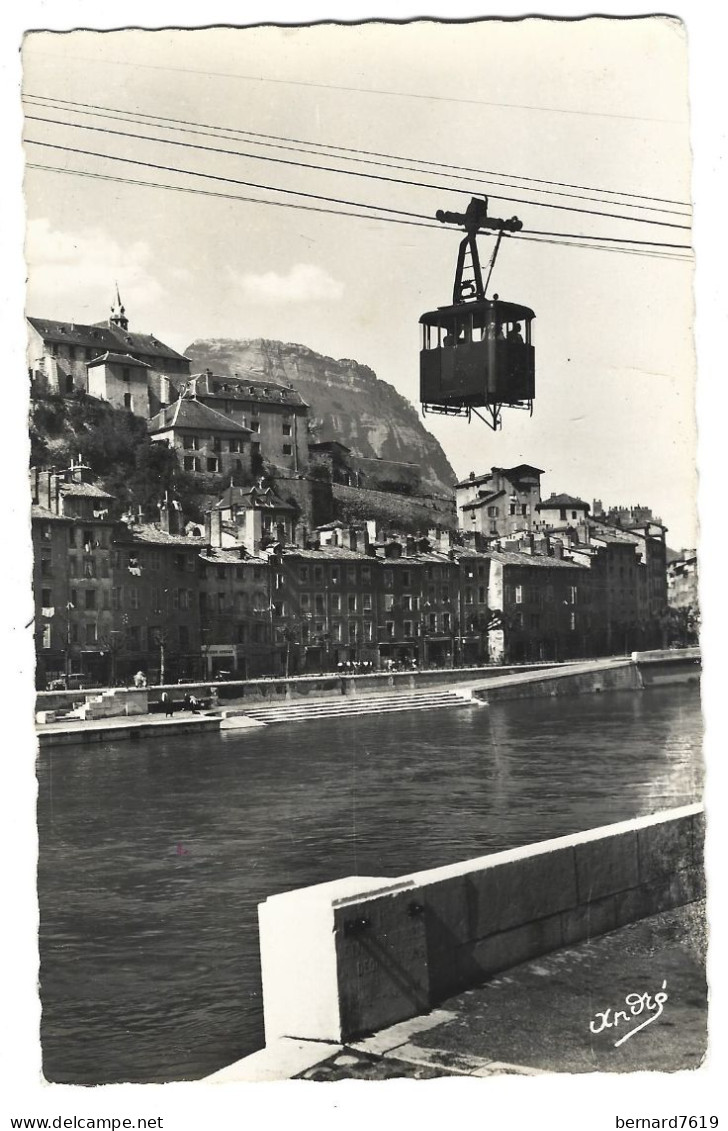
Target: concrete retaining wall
column 643, row 669
column 359, row 954
column 668, row 666
column 282, row 690
column 619, row 677
column 100, row 733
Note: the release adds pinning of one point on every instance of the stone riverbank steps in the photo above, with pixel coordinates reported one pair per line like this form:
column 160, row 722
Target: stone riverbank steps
column 370, row 705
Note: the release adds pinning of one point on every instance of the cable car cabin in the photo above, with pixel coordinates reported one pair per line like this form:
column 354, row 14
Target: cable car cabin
column 477, row 355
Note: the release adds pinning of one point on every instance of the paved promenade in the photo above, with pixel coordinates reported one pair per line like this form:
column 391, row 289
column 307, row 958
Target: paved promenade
column 119, row 727
column 536, row 1018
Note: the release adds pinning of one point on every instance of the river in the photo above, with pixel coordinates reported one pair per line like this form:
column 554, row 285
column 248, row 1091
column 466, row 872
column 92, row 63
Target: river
column 154, row 855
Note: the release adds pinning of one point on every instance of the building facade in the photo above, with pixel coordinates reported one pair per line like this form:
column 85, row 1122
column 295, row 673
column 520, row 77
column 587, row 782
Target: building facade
column 541, row 608
column 275, row 415
column 206, row 442
column 121, row 380
column 499, row 502
column 254, row 593
column 59, row 354
column 560, row 510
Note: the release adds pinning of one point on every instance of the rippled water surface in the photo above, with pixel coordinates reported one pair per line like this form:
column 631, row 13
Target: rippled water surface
column 154, row 855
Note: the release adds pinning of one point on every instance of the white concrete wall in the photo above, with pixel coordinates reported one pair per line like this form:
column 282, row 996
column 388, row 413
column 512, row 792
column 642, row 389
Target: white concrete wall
column 359, row 954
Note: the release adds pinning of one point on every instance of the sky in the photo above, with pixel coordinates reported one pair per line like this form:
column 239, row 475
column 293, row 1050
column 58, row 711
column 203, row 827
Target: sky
column 597, row 103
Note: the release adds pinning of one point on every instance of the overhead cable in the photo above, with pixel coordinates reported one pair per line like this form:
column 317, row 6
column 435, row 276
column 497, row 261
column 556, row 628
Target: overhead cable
column 347, row 152
column 645, row 248
column 348, row 172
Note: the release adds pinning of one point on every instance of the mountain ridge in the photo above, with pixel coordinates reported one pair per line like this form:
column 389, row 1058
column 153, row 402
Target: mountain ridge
column 346, row 399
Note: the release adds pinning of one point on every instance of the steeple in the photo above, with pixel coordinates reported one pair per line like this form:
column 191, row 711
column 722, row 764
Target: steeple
column 118, row 313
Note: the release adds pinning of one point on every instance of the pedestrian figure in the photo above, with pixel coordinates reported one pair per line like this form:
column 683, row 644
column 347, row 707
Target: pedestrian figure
column 168, row 704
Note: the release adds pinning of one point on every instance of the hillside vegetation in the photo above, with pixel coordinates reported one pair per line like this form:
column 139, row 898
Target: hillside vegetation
column 115, row 444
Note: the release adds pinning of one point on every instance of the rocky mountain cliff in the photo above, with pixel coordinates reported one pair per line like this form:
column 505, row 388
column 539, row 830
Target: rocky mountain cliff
column 347, row 401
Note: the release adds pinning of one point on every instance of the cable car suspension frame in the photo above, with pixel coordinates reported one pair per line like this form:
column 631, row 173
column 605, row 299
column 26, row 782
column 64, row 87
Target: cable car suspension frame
column 468, row 374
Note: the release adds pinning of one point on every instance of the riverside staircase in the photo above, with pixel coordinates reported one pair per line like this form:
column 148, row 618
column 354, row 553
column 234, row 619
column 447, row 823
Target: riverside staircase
column 357, row 705
column 115, row 702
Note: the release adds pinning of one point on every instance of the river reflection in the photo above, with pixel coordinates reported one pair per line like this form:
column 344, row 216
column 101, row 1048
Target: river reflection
column 154, row 855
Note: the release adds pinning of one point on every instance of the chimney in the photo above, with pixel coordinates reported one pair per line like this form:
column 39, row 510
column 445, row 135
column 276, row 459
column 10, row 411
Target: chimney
column 78, row 472
column 444, row 541
column 472, row 475
column 347, row 538
column 252, row 529
column 45, row 489
column 213, row 528
column 169, row 515
column 409, row 546
column 362, row 537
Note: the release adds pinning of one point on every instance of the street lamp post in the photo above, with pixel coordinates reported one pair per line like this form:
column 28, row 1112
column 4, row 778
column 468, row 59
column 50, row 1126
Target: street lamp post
column 69, row 606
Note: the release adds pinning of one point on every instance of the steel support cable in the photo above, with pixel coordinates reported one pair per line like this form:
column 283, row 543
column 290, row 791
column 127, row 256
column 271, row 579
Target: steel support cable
column 650, row 248
column 348, row 172
column 227, row 133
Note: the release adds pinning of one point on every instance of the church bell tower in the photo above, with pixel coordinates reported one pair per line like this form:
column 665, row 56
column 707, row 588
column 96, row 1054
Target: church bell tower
column 118, row 313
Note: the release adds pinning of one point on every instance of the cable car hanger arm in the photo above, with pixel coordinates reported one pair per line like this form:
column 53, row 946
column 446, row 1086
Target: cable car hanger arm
column 474, row 220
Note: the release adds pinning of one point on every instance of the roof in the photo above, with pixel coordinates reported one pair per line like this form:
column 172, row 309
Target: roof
column 504, row 311
column 246, row 388
column 535, row 561
column 87, row 490
column 262, row 498
column 190, row 413
column 482, row 501
column 519, row 468
column 43, row 514
column 231, row 556
column 110, row 358
column 149, row 534
column 326, row 445
column 328, row 553
column 522, row 467
column 613, row 536
column 463, row 553
column 562, row 501
column 102, row 336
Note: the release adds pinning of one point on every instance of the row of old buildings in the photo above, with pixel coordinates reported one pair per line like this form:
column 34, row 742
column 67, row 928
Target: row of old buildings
column 258, row 589
column 217, row 425
column 254, row 592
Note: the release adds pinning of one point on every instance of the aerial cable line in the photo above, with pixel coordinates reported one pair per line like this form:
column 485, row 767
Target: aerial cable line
column 652, row 249
column 273, row 140
column 314, row 196
column 369, row 90
column 563, row 242
column 219, row 177
column 346, row 172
